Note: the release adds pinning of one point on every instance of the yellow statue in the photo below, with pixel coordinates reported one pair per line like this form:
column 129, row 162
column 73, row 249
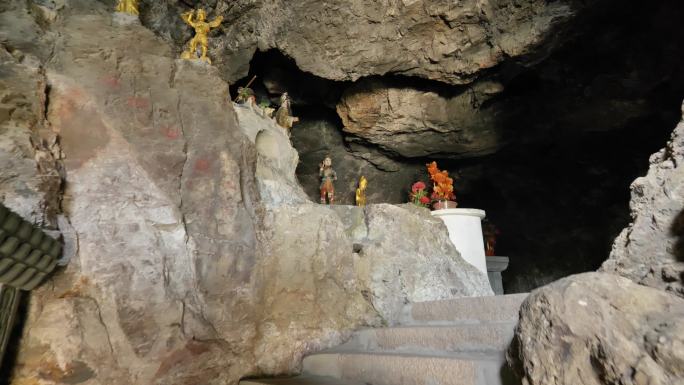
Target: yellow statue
column 361, row 192
column 202, row 28
column 128, row 6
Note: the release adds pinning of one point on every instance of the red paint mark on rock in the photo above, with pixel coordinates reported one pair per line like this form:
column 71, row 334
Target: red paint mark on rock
column 170, row 132
column 111, row 81
column 202, row 165
column 138, row 102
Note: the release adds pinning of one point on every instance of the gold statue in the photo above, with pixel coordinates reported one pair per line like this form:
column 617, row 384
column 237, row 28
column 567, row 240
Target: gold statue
column 361, row 192
column 284, row 116
column 202, row 29
column 128, row 6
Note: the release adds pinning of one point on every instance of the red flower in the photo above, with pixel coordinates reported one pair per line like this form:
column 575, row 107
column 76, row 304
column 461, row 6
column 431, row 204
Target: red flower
column 418, row 186
column 424, row 200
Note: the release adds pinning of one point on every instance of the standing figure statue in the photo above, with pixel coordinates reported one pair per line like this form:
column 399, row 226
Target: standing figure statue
column 128, row 6
column 202, row 29
column 328, row 176
column 361, row 192
column 284, row 116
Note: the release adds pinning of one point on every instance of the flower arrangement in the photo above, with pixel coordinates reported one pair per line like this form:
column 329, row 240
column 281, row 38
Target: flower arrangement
column 418, row 195
column 443, row 185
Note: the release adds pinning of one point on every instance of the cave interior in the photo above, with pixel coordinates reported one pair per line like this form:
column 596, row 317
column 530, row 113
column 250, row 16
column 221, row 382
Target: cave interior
column 579, row 127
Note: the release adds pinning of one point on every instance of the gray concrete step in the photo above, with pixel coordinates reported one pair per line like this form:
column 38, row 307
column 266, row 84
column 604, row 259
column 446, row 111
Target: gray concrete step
column 483, row 337
column 409, row 369
column 299, row 380
column 500, row 308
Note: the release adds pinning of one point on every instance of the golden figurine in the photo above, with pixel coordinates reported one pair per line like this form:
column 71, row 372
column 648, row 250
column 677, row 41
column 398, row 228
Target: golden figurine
column 128, row 6
column 202, row 29
column 361, row 192
column 283, row 115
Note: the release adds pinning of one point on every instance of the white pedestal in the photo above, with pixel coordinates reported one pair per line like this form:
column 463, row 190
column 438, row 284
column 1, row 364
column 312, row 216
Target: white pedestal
column 465, row 232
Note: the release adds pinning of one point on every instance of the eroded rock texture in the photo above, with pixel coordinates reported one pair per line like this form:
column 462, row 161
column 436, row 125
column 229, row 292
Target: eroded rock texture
column 196, row 256
column 651, row 250
column 598, row 328
column 452, row 42
column 30, row 178
column 416, row 123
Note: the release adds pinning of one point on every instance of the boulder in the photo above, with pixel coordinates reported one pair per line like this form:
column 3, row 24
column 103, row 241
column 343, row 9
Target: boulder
column 319, row 135
column 599, row 328
column 416, row 123
column 651, row 250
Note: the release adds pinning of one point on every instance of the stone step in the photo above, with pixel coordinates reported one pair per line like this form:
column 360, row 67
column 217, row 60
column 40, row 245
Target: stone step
column 298, row 380
column 410, row 369
column 500, row 308
column 483, row 337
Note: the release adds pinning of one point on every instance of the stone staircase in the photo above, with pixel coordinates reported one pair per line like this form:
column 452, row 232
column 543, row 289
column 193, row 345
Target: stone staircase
column 452, row 342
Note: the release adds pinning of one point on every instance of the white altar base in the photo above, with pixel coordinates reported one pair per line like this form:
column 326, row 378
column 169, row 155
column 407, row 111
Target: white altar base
column 465, row 232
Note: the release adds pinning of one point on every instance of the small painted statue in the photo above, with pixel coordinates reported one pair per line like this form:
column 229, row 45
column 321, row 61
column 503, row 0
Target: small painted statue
column 245, row 95
column 128, row 6
column 490, row 232
column 361, row 192
column 202, row 29
column 328, row 176
column 284, row 116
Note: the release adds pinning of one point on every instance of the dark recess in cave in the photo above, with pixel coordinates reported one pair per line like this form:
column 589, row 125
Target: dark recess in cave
column 587, row 119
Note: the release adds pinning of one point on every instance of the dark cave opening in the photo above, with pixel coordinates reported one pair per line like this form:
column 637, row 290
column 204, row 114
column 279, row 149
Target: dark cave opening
column 581, row 126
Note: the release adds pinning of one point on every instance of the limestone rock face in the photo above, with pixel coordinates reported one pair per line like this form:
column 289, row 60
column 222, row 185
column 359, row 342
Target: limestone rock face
column 439, row 39
column 277, row 160
column 415, row 123
column 392, row 245
column 30, row 176
column 598, row 328
column 196, row 256
column 651, row 250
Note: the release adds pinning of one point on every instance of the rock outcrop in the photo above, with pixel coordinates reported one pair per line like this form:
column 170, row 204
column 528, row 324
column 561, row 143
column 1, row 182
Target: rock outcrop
column 599, row 328
column 30, row 176
column 196, row 256
column 413, row 123
column 651, row 250
column 452, row 42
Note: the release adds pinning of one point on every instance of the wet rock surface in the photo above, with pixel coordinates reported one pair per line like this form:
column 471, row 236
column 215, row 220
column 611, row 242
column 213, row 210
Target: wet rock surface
column 599, row 328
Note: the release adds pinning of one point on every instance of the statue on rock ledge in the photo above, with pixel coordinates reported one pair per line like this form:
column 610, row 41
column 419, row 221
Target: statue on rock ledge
column 128, row 6
column 202, row 29
column 328, row 176
column 361, row 192
column 284, row 116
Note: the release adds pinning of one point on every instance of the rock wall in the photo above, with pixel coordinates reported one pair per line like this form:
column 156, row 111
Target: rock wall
column 452, row 42
column 651, row 250
column 196, row 256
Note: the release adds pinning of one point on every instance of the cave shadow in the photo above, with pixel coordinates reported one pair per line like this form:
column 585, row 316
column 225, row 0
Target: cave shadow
column 677, row 230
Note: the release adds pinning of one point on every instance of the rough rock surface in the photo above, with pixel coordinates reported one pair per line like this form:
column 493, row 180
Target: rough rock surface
column 651, row 250
column 439, row 39
column 599, row 328
column 185, row 217
column 416, row 123
column 30, row 176
column 277, row 160
column 414, row 236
